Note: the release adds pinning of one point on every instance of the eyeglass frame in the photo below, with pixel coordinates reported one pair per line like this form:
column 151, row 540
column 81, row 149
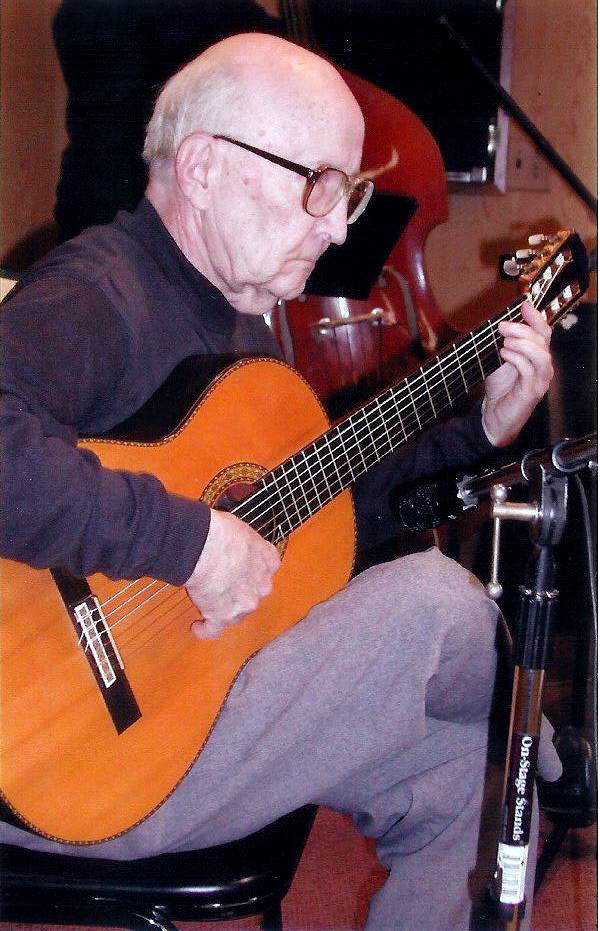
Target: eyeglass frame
column 311, row 174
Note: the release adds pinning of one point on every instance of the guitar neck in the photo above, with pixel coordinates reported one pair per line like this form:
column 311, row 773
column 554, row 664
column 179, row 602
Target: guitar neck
column 301, row 485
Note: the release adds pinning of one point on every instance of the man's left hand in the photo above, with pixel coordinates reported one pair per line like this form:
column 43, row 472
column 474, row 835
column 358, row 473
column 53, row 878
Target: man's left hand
column 513, row 390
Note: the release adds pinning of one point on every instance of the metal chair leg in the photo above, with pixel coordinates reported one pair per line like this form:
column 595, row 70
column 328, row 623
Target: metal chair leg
column 272, row 919
column 150, row 921
column 551, row 847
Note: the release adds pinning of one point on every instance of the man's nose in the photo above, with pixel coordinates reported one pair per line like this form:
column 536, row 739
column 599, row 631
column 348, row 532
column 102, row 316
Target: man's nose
column 335, row 223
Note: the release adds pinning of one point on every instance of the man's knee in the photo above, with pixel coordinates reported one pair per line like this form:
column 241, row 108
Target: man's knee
column 467, row 621
column 427, row 598
column 442, row 589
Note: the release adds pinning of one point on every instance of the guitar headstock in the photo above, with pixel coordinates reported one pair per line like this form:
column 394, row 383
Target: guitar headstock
column 554, row 271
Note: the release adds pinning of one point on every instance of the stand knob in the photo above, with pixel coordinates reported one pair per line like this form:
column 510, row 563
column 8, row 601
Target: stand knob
column 494, row 589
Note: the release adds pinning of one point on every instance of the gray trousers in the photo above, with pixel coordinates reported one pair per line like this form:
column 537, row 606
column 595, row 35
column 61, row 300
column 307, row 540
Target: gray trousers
column 376, row 704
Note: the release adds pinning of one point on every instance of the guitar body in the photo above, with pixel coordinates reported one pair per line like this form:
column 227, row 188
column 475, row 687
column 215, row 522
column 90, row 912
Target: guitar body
column 66, row 770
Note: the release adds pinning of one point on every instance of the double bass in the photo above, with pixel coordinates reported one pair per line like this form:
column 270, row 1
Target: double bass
column 347, row 347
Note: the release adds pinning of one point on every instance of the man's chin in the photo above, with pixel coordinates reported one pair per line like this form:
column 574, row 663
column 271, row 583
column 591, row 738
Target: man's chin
column 260, row 300
column 292, row 290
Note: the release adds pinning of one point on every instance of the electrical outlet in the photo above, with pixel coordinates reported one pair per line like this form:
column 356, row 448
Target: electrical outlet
column 527, row 169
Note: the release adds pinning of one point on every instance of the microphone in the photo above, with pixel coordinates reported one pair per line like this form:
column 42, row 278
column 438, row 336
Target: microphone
column 428, row 504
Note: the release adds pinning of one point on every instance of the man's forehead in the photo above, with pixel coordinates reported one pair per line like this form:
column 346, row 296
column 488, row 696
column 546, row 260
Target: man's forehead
column 312, row 131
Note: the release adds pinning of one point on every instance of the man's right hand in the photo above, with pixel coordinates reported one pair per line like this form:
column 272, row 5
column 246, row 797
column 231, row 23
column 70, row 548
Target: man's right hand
column 234, row 572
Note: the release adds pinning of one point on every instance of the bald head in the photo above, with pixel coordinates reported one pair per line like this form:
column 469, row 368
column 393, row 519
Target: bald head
column 253, row 87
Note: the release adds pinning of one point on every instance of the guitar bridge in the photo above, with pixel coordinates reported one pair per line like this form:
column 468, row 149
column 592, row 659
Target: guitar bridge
column 99, row 649
column 94, row 628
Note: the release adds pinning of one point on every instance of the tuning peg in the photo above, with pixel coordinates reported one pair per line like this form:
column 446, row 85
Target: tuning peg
column 513, row 264
column 511, row 268
column 538, row 239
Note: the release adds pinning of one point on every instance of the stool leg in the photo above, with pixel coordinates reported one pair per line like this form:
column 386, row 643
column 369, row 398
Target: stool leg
column 149, row 921
column 551, row 848
column 271, row 919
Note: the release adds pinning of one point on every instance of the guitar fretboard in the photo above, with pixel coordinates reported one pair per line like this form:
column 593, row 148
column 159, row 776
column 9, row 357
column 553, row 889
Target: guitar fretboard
column 301, row 485
column 307, row 481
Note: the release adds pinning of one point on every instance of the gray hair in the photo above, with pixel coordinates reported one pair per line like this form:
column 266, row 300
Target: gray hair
column 202, row 96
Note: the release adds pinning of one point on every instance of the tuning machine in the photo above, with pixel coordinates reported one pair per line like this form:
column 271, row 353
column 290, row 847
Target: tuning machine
column 514, row 264
column 523, row 261
column 538, row 239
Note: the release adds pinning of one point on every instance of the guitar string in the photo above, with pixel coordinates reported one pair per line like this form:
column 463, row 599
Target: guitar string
column 481, row 348
column 140, row 631
column 364, row 431
column 132, row 640
column 135, row 639
column 447, row 378
column 164, row 586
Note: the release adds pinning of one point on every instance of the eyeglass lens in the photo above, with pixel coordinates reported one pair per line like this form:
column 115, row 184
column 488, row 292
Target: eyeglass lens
column 330, row 187
column 358, row 200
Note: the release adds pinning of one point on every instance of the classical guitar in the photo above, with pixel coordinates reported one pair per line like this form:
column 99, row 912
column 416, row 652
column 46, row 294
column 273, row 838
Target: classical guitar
column 107, row 699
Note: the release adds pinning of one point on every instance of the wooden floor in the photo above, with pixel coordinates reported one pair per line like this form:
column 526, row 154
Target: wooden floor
column 338, row 887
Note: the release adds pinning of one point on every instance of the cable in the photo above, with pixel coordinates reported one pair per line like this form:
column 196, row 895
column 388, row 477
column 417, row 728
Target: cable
column 589, row 544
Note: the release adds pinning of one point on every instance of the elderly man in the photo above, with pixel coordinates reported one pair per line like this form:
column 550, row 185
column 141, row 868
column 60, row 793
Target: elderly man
column 376, row 703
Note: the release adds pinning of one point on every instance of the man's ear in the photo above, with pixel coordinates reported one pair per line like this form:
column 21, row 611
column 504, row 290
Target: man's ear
column 194, row 167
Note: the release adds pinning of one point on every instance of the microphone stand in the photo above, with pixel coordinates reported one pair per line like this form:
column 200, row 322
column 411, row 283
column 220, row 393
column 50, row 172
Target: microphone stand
column 532, row 656
column 546, row 473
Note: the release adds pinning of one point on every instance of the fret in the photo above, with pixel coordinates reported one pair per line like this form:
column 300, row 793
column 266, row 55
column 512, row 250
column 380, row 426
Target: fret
column 337, row 472
column 428, row 392
column 477, row 354
column 495, row 344
column 300, row 485
column 350, row 422
column 413, row 403
column 370, row 437
column 439, row 362
column 387, row 432
column 460, row 368
column 495, row 336
column 394, row 397
column 310, row 475
column 324, row 472
column 289, row 492
column 314, row 476
column 285, row 513
column 338, row 431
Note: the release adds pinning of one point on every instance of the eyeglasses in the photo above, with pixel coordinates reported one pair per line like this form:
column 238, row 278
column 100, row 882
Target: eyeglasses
column 325, row 185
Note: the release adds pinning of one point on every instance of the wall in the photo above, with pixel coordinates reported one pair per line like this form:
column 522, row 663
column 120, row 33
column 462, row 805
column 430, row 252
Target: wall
column 32, row 115
column 553, row 79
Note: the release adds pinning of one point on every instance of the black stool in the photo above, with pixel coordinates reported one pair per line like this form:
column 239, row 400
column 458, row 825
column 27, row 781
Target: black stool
column 246, row 877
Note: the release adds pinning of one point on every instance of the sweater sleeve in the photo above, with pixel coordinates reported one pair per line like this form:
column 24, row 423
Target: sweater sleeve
column 456, row 444
column 65, row 351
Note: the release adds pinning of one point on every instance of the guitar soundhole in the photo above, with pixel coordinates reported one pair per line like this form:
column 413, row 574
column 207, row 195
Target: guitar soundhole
column 234, row 485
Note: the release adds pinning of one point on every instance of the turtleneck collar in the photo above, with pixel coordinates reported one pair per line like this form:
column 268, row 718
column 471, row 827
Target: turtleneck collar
column 146, row 225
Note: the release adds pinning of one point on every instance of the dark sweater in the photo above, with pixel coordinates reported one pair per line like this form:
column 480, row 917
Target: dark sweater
column 88, row 336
